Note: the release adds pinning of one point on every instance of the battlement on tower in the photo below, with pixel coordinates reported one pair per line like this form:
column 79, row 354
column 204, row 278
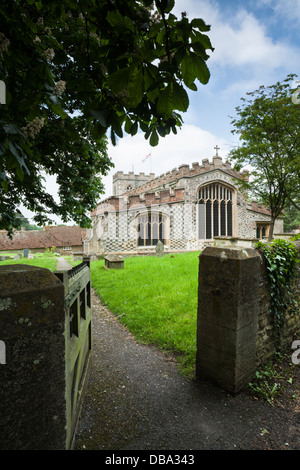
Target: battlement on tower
column 124, row 182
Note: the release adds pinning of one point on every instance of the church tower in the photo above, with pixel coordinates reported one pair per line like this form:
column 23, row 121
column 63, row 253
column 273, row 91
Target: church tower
column 124, row 182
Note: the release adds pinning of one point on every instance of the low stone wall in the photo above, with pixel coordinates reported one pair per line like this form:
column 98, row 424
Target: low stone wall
column 235, row 331
column 235, row 242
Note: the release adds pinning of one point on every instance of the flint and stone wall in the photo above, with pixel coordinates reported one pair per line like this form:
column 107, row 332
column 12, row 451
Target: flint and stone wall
column 235, row 331
column 116, row 232
column 175, row 193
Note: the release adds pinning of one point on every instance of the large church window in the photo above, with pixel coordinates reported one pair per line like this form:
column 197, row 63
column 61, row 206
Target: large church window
column 201, row 208
column 229, row 218
column 223, row 218
column 215, row 211
column 151, row 228
column 216, row 218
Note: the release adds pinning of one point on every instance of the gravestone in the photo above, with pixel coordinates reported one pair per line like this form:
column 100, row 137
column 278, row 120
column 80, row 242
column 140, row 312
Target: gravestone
column 77, row 255
column 25, row 253
column 159, row 249
column 114, row 261
column 93, row 256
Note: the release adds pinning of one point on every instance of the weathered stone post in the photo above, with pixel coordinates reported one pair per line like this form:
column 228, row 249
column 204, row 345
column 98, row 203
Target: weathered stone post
column 227, row 316
column 33, row 378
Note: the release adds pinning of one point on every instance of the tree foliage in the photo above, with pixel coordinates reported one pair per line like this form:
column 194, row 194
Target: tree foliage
column 292, row 215
column 268, row 125
column 26, row 224
column 79, row 70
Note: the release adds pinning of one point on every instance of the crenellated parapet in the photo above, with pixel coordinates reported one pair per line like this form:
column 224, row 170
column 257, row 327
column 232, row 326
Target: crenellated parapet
column 131, row 175
column 125, row 182
column 134, row 201
column 133, row 190
column 185, row 171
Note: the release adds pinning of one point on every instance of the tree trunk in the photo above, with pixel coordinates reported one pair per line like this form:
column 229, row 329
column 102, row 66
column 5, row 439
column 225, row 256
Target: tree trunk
column 271, row 231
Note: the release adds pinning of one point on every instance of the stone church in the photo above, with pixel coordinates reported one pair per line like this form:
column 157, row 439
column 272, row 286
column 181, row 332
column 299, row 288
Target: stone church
column 186, row 208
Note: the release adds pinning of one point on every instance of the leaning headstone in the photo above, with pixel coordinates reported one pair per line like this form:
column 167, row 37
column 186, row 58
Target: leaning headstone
column 159, row 249
column 25, row 253
column 30, row 256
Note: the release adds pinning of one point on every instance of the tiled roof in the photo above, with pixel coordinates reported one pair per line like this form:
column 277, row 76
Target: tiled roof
column 50, row 236
column 256, row 207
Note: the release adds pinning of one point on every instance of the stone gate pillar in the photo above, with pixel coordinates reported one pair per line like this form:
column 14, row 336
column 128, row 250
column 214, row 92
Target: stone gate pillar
column 227, row 316
column 32, row 377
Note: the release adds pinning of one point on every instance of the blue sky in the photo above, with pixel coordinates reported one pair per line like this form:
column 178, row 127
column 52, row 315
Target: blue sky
column 257, row 42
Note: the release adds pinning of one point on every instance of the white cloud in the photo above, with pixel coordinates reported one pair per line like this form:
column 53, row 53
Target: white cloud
column 241, row 39
column 207, row 10
column 284, row 9
column 52, row 188
column 248, row 45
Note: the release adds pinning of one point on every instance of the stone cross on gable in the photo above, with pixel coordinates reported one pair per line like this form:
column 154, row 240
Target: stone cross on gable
column 217, row 148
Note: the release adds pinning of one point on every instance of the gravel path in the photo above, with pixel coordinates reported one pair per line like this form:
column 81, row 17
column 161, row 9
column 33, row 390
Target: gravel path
column 136, row 400
column 62, row 264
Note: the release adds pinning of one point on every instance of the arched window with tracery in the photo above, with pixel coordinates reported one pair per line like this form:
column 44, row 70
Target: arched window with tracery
column 262, row 230
column 151, row 227
column 215, row 210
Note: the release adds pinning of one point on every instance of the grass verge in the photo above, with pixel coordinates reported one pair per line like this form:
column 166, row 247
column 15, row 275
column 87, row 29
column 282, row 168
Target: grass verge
column 156, row 299
column 42, row 260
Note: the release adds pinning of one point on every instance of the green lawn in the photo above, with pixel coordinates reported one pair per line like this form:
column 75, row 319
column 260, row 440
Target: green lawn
column 44, row 260
column 156, row 298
